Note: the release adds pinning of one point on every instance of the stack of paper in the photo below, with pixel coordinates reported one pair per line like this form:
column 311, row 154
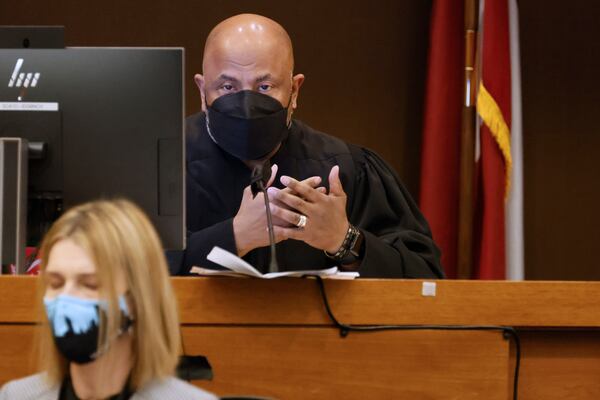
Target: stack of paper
column 238, row 267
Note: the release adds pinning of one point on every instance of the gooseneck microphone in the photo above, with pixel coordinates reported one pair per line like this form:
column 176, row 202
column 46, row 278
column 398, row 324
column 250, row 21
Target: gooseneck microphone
column 259, row 178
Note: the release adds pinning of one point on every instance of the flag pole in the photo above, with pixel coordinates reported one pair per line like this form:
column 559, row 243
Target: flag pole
column 467, row 146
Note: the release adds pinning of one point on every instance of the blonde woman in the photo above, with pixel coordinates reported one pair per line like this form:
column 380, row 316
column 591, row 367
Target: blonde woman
column 113, row 330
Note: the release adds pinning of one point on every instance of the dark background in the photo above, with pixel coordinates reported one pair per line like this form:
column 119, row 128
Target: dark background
column 365, row 66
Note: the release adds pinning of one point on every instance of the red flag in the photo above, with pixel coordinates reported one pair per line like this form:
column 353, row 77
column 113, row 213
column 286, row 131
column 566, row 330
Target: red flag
column 494, row 107
column 440, row 162
column 439, row 195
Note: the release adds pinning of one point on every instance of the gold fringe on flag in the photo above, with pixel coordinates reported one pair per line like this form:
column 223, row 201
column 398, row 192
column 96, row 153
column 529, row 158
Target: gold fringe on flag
column 490, row 113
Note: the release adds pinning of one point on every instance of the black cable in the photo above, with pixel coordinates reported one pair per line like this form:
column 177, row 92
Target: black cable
column 507, row 331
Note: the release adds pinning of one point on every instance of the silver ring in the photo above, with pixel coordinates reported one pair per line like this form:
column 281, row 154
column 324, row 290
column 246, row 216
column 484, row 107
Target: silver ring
column 301, row 222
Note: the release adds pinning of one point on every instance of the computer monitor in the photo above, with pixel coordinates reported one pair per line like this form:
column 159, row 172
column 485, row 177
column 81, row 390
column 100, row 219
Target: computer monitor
column 112, row 123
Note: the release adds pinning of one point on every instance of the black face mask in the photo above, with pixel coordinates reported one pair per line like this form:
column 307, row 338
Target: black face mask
column 74, row 322
column 247, row 124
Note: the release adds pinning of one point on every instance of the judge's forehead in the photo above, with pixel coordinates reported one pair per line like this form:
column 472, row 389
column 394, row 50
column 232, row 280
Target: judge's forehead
column 247, row 41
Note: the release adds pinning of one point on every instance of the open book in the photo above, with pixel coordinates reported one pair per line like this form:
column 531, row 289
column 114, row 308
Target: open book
column 238, row 267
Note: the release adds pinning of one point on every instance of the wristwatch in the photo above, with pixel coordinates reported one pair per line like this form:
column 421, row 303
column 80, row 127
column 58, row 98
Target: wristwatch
column 351, row 249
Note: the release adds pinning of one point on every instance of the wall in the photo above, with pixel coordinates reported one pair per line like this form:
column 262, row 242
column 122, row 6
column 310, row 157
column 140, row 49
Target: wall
column 561, row 104
column 365, row 66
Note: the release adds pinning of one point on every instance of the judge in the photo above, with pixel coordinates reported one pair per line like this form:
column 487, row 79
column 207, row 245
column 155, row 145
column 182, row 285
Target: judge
column 333, row 203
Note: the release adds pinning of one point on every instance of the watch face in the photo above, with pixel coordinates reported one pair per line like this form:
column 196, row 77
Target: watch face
column 353, row 252
column 358, row 244
column 351, row 249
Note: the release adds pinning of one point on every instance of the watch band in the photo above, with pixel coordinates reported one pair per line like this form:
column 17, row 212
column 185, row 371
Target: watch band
column 349, row 251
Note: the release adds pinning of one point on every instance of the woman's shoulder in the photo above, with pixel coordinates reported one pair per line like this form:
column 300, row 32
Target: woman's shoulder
column 34, row 387
column 172, row 388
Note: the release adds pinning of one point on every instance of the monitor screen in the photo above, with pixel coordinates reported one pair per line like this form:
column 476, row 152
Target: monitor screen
column 112, row 123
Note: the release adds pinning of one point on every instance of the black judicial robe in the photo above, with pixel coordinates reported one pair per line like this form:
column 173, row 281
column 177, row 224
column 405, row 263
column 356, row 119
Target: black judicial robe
column 398, row 241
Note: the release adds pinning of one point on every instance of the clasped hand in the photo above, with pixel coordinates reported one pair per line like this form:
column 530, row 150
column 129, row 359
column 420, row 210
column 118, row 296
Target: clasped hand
column 326, row 220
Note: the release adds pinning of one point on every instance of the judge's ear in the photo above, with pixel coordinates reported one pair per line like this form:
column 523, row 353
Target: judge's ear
column 297, row 81
column 199, row 79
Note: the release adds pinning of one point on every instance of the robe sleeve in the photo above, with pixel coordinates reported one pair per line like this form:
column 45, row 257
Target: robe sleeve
column 398, row 242
column 201, row 242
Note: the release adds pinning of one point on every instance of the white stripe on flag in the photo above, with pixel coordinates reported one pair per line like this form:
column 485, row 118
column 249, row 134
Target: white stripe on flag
column 515, row 269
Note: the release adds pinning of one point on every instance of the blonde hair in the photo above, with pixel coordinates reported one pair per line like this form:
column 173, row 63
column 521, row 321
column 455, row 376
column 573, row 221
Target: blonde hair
column 117, row 235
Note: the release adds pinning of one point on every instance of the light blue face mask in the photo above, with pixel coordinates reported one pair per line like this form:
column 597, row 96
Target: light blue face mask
column 74, row 322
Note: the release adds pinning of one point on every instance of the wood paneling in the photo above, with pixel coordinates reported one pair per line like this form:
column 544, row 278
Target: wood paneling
column 17, row 355
column 19, row 299
column 561, row 98
column 227, row 300
column 272, row 337
column 315, row 363
column 560, row 365
column 523, row 304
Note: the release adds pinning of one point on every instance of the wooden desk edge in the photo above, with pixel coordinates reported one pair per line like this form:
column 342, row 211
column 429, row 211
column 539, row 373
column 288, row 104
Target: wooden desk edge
column 218, row 300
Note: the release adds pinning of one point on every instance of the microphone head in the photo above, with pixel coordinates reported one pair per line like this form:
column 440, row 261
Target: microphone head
column 261, row 174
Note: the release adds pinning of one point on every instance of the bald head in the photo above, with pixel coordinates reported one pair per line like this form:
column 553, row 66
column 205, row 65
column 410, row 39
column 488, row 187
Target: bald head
column 247, row 36
column 249, row 52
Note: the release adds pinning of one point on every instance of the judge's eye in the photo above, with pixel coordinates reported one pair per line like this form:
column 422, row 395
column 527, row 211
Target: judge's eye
column 265, row 87
column 227, row 87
